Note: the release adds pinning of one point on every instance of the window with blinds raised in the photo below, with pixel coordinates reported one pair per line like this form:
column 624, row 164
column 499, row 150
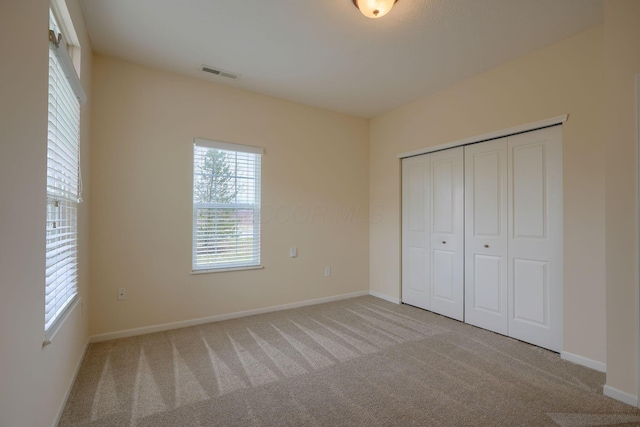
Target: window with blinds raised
column 226, row 206
column 63, row 181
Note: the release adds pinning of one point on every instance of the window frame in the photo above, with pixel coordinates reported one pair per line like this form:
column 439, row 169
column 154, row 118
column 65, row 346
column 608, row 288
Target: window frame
column 64, row 181
column 254, row 206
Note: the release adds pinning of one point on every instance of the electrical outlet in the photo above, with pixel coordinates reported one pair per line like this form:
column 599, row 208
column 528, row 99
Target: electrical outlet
column 122, row 294
column 327, row 271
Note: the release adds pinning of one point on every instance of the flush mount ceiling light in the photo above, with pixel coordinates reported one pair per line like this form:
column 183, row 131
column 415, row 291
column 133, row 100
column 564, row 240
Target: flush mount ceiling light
column 374, row 8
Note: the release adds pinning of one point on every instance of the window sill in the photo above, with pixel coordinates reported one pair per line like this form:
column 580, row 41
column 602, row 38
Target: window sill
column 57, row 325
column 226, row 270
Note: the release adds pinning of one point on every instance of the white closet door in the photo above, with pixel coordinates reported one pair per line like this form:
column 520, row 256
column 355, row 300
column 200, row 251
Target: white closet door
column 486, row 235
column 447, row 233
column 416, row 272
column 535, row 237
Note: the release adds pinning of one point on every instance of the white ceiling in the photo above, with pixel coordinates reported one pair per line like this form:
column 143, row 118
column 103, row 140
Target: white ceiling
column 325, row 53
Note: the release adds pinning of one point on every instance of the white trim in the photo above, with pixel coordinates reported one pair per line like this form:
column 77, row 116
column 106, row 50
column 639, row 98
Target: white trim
column 487, row 136
column 584, row 361
column 227, row 146
column 622, row 396
column 194, row 322
column 226, row 270
column 70, row 386
column 63, row 17
column 57, row 324
column 385, row 297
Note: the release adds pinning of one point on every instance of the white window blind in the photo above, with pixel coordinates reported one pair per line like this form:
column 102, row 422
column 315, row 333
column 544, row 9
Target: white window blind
column 226, row 206
column 63, row 181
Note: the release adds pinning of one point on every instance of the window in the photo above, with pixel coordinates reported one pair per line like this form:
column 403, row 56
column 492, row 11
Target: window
column 63, row 180
column 226, row 206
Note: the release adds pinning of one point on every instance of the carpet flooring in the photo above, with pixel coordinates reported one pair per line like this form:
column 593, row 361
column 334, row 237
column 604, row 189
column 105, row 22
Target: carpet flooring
column 356, row 362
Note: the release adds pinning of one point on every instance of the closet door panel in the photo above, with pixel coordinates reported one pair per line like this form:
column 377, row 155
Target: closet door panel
column 486, row 235
column 416, row 272
column 443, row 275
column 535, row 237
column 487, row 294
column 531, row 291
column 529, row 192
column 447, row 232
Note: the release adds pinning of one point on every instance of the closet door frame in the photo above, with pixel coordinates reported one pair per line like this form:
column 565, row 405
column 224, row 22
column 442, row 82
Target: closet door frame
column 554, row 121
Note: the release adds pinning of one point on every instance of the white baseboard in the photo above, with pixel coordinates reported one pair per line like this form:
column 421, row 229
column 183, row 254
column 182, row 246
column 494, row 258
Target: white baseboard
column 384, row 297
column 584, row 361
column 70, row 386
column 193, row 322
column 622, row 396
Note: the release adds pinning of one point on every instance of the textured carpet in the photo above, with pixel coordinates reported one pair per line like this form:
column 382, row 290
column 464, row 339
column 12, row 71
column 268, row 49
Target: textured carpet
column 357, row 362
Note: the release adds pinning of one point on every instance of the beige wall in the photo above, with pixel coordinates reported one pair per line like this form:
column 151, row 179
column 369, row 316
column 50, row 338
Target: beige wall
column 315, row 197
column 622, row 63
column 564, row 78
column 322, row 172
column 33, row 379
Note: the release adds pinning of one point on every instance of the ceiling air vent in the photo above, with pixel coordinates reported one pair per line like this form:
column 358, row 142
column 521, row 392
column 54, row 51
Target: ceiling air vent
column 219, row 72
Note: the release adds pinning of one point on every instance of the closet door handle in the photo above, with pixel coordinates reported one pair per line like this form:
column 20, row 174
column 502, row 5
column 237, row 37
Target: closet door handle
column 444, row 242
column 486, row 246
